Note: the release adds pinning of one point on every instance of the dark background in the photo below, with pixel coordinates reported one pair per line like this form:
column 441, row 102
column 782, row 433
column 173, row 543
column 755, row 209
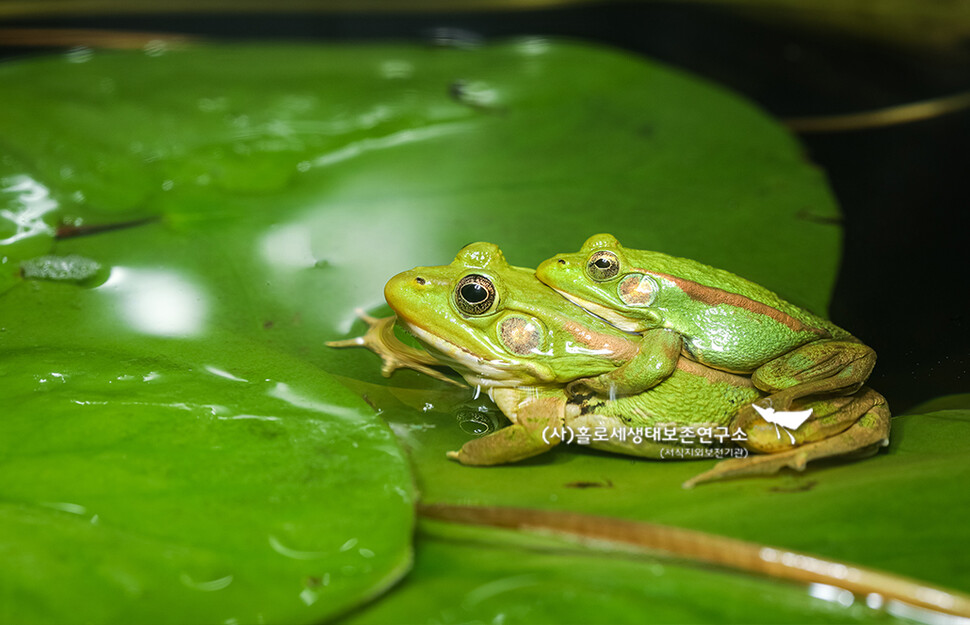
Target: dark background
column 904, row 190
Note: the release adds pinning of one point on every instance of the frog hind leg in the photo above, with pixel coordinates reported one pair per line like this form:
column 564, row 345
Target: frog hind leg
column 821, row 367
column 381, row 340
column 862, row 438
column 827, row 417
column 537, row 427
column 656, row 359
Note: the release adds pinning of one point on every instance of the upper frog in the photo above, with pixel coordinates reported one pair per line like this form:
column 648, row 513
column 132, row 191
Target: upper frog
column 727, row 322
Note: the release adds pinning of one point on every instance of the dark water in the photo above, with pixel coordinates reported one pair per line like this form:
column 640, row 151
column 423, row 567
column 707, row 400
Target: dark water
column 904, row 190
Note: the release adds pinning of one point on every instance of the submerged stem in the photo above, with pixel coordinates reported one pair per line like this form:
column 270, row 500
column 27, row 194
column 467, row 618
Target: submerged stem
column 710, row 549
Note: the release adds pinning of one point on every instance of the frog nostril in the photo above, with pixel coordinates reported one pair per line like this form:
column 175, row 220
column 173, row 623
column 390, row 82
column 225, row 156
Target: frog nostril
column 561, row 261
column 419, row 280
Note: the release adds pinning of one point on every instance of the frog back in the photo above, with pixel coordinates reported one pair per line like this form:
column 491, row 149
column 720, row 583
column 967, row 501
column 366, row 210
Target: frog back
column 728, row 322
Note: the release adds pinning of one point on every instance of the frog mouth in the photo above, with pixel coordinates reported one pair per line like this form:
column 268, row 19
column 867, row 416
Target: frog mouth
column 476, row 370
column 606, row 314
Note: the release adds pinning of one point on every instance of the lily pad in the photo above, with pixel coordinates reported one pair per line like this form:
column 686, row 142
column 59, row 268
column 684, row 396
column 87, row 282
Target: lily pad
column 148, row 490
column 239, row 202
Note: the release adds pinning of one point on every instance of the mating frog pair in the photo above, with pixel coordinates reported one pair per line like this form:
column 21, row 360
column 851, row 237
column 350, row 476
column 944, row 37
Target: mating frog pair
column 671, row 343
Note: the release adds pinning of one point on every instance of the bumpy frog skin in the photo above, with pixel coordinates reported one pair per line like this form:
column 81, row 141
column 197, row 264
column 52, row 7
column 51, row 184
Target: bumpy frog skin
column 501, row 329
column 726, row 322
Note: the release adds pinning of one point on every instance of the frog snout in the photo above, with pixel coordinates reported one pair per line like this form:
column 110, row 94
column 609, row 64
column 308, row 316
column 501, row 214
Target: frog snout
column 547, row 267
column 400, row 286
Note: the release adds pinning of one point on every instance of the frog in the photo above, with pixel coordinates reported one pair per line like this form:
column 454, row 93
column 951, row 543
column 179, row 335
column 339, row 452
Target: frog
column 503, row 330
column 727, row 322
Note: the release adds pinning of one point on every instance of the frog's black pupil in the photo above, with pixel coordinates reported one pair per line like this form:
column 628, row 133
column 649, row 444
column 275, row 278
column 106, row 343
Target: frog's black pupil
column 473, row 293
column 602, row 263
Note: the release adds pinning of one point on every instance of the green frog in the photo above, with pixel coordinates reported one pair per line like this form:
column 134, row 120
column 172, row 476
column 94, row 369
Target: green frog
column 542, row 360
column 726, row 322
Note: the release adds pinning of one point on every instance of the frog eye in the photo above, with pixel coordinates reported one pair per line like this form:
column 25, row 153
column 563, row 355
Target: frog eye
column 474, row 294
column 602, row 265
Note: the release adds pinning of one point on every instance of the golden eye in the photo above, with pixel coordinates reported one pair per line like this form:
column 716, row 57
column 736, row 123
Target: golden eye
column 474, row 294
column 602, row 265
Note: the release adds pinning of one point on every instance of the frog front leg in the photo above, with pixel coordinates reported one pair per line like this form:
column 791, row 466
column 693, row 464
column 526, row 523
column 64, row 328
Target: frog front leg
column 656, row 358
column 537, row 422
column 856, row 425
column 380, row 339
column 822, row 367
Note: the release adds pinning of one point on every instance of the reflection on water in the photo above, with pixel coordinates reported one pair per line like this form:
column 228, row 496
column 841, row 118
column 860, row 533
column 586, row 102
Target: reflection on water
column 63, row 506
column 294, row 554
column 208, row 586
column 288, row 247
column 158, row 302
column 308, row 596
column 396, row 139
column 894, row 607
column 27, row 219
column 479, row 420
column 394, row 69
column 223, row 374
column 827, row 592
column 909, row 612
column 293, row 397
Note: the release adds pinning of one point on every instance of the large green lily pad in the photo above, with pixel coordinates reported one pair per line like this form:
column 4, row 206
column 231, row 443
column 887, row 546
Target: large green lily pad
column 141, row 489
column 257, row 195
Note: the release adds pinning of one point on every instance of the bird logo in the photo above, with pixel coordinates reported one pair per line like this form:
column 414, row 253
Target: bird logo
column 788, row 421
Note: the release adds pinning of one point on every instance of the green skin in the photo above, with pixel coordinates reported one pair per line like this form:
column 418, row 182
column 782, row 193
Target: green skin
column 538, row 355
column 726, row 322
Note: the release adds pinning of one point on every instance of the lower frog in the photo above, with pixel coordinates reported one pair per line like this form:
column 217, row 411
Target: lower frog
column 501, row 329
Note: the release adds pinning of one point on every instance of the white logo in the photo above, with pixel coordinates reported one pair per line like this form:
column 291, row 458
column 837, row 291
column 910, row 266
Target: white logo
column 787, row 420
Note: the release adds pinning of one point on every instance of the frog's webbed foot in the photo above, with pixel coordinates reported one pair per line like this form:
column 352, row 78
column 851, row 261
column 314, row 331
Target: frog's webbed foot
column 536, row 428
column 837, row 366
column 381, row 340
column 862, row 438
column 771, row 431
